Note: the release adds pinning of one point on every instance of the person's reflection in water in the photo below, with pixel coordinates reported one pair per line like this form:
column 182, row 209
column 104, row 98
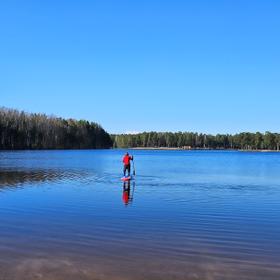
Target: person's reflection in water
column 127, row 194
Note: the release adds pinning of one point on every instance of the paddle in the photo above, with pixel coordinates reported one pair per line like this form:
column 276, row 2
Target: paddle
column 133, row 168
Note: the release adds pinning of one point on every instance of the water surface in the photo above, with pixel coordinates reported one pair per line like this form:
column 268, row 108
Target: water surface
column 187, row 215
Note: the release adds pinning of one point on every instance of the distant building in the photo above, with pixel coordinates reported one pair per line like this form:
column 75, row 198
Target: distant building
column 186, row 147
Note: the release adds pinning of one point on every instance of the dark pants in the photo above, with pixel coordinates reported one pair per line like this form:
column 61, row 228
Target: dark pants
column 126, row 167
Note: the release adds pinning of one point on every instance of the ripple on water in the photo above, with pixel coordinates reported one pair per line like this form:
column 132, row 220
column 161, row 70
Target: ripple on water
column 68, row 220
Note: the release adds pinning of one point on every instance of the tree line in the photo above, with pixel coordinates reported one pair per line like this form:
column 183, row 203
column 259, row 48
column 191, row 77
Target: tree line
column 190, row 140
column 20, row 130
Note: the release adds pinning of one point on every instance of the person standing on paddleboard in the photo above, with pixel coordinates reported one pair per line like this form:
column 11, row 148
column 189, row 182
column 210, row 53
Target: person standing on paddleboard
column 126, row 164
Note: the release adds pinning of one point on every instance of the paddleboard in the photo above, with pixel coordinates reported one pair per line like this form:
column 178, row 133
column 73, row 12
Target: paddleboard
column 124, row 179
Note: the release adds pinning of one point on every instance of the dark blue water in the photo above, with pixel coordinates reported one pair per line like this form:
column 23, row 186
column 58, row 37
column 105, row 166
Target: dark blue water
column 187, row 215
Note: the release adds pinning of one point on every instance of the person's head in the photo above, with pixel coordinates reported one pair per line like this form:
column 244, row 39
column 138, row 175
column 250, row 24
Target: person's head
column 127, row 154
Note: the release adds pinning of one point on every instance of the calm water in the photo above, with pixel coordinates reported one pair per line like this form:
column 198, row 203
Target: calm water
column 187, row 215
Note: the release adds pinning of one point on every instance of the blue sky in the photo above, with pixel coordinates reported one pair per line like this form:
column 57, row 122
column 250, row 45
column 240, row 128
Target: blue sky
column 206, row 66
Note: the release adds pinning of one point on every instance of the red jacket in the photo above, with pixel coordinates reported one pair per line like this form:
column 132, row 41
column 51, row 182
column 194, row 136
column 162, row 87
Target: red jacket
column 127, row 159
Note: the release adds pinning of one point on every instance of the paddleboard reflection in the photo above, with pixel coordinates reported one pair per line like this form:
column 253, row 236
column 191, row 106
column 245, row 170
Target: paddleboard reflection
column 128, row 193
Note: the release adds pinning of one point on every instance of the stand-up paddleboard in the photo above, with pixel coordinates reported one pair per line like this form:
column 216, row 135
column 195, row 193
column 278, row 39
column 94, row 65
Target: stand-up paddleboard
column 125, row 179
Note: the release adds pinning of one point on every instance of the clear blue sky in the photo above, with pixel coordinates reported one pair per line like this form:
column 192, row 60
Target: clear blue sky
column 206, row 66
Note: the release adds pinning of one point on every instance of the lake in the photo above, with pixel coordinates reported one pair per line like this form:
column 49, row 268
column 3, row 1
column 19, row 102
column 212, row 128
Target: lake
column 187, row 215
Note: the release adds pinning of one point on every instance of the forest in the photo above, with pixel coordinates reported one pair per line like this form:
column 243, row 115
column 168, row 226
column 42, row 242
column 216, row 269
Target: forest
column 21, row 130
column 190, row 140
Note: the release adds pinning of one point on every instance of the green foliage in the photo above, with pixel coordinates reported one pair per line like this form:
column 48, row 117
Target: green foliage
column 190, row 140
column 19, row 130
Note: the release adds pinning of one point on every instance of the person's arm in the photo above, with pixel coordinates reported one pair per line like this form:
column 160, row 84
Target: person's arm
column 131, row 157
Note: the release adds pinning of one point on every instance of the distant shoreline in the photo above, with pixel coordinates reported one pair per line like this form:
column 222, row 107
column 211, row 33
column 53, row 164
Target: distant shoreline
column 199, row 149
column 144, row 149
